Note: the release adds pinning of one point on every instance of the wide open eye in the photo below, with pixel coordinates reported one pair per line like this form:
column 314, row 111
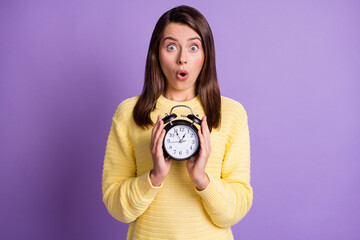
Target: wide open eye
column 171, row 47
column 194, row 48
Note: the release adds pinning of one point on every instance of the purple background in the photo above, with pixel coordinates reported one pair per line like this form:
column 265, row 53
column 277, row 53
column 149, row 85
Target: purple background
column 66, row 65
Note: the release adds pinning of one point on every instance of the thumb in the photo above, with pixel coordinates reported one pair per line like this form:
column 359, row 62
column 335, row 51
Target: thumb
column 190, row 163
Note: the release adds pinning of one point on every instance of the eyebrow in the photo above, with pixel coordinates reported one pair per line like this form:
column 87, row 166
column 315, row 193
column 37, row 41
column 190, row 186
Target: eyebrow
column 174, row 39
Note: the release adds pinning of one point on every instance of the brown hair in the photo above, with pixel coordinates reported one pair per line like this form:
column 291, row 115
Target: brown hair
column 207, row 86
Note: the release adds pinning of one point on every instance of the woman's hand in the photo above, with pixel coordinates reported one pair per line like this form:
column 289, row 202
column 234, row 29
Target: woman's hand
column 196, row 168
column 161, row 166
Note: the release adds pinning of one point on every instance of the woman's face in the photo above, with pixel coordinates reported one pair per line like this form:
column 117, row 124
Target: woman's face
column 181, row 58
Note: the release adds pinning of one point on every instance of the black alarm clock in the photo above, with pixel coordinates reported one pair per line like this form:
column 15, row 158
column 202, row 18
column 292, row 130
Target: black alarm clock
column 181, row 140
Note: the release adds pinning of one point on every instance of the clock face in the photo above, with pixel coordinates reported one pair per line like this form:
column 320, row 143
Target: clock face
column 181, row 141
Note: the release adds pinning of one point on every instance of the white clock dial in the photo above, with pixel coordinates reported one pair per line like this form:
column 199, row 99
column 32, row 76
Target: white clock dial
column 181, row 142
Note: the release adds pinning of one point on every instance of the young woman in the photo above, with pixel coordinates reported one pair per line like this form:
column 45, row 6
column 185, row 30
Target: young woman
column 162, row 198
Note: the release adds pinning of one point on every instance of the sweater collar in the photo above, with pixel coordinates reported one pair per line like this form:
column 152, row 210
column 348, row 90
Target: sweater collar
column 170, row 103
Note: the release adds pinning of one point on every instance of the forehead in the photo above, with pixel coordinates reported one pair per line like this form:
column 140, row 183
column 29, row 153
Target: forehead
column 179, row 31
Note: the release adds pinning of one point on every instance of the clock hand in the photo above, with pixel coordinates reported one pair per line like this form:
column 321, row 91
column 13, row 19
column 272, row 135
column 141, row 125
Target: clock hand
column 178, row 135
column 183, row 136
column 178, row 141
column 181, row 140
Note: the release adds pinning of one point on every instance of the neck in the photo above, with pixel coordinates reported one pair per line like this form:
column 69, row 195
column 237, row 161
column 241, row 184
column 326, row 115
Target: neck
column 179, row 96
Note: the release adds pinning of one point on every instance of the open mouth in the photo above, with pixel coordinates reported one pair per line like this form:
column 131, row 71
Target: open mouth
column 182, row 74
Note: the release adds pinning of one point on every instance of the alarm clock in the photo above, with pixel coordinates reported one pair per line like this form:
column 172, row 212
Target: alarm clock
column 181, row 140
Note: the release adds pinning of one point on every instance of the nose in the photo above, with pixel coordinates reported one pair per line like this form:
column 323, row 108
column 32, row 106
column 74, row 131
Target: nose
column 183, row 57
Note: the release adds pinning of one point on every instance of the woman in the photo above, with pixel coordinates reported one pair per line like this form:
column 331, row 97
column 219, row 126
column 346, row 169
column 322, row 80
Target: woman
column 199, row 198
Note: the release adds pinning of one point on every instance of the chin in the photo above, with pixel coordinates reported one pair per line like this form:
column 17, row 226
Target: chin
column 183, row 87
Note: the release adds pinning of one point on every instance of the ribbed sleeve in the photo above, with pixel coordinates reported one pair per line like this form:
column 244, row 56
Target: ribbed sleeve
column 125, row 195
column 227, row 200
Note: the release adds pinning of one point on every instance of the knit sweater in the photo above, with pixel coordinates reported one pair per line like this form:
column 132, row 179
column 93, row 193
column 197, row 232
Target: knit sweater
column 176, row 209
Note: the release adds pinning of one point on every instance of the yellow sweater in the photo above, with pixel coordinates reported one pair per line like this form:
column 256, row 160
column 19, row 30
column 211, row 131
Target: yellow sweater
column 176, row 210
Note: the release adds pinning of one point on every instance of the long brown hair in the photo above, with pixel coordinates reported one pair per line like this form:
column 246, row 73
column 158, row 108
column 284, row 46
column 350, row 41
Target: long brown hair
column 207, row 86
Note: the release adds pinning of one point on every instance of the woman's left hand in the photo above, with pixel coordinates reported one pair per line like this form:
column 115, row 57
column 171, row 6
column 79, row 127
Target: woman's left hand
column 196, row 167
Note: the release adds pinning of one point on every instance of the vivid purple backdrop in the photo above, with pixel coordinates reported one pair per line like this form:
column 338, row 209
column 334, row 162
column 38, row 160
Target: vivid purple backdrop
column 66, row 65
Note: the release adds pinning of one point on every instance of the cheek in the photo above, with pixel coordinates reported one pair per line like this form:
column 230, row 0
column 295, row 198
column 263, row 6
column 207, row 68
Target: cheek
column 165, row 60
column 161, row 58
column 199, row 61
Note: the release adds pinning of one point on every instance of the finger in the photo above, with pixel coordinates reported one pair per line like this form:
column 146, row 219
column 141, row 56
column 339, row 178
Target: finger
column 190, row 163
column 205, row 132
column 158, row 133
column 155, row 127
column 205, row 127
column 153, row 135
column 160, row 140
column 202, row 140
column 204, row 146
column 159, row 144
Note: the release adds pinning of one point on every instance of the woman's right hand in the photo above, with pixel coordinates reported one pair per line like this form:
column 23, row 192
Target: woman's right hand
column 161, row 166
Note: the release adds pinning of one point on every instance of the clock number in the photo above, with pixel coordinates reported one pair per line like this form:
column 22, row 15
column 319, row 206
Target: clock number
column 167, row 140
column 175, row 130
column 187, row 151
column 171, row 135
column 174, row 151
column 180, row 153
column 193, row 141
